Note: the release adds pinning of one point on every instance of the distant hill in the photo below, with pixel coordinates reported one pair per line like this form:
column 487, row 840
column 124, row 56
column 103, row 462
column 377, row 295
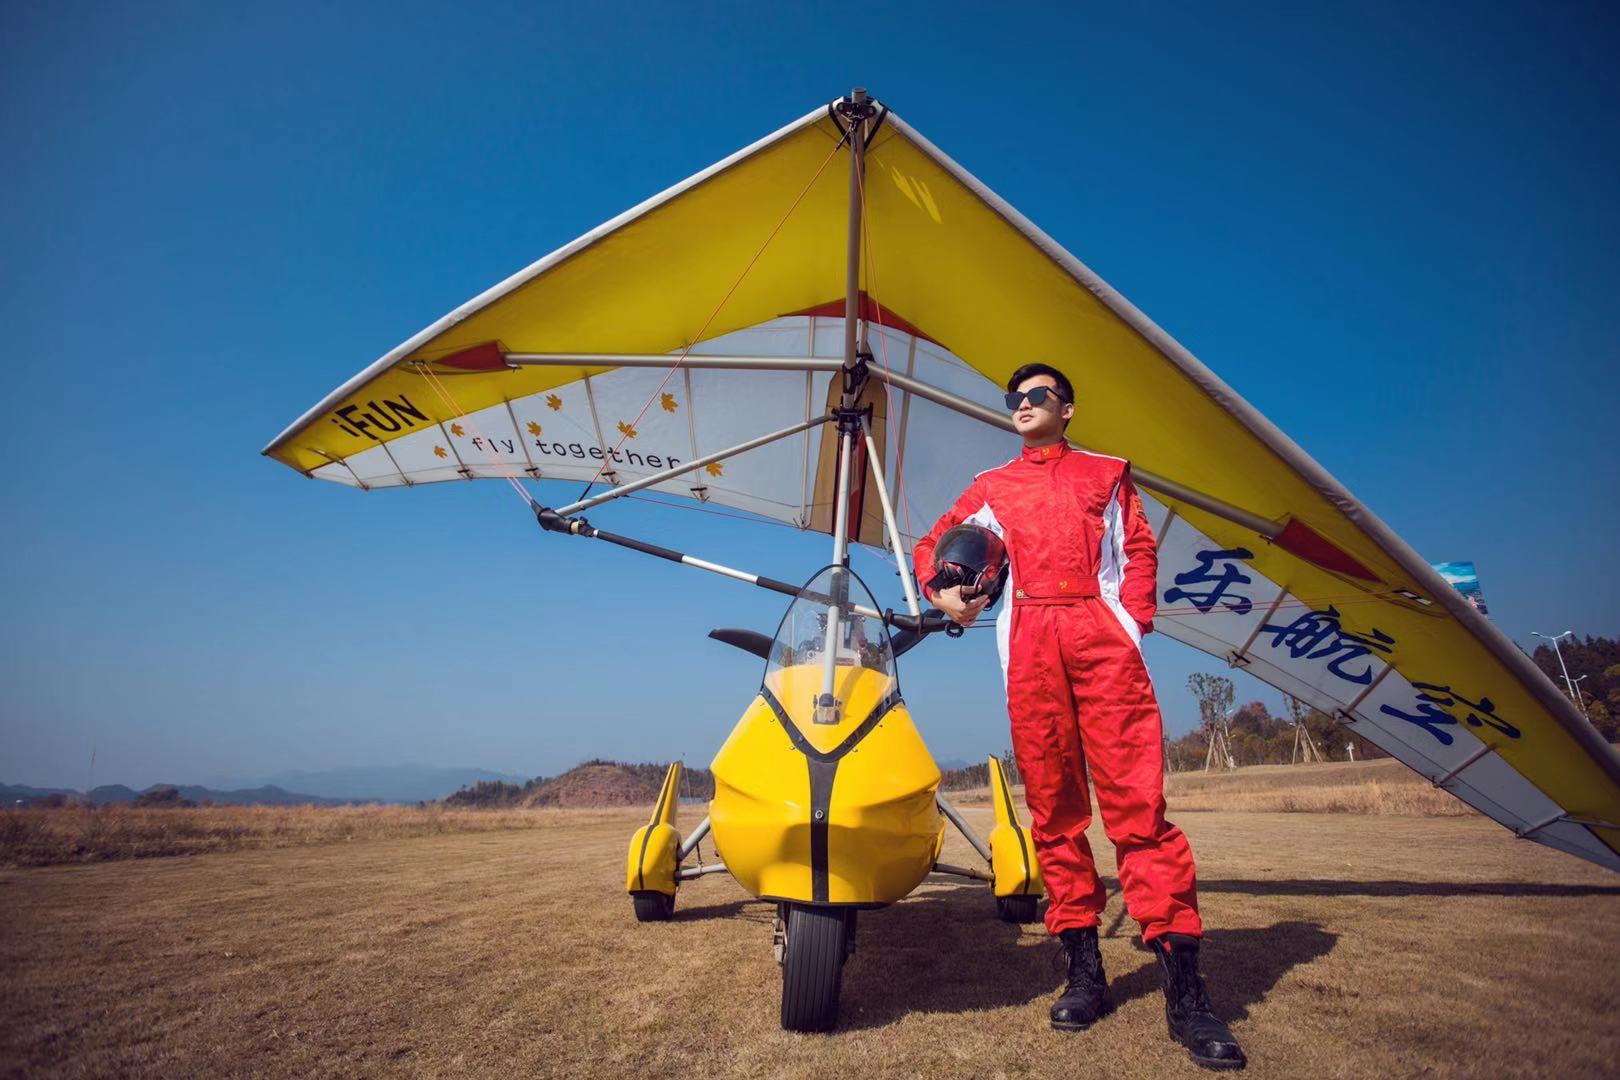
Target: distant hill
column 386, row 783
column 328, row 787
column 109, row 794
column 595, row 783
column 267, row 795
column 15, row 794
column 601, row 783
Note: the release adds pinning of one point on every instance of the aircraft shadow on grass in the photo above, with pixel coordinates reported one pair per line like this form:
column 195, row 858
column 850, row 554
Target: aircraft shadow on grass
column 947, row 952
column 748, row 910
column 942, row 951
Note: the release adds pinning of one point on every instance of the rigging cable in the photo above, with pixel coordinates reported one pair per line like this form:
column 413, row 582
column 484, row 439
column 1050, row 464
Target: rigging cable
column 454, row 406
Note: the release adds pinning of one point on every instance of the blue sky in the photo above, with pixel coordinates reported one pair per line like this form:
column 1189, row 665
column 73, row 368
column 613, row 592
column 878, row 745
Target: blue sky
column 1393, row 231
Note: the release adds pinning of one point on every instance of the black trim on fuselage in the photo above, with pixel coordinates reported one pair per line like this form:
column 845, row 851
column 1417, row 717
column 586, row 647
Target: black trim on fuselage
column 823, row 771
column 822, row 774
column 879, row 711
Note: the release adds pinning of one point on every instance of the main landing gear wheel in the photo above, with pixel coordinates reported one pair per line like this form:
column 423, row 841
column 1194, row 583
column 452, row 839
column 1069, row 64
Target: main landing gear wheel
column 813, row 966
column 653, row 906
column 1016, row 909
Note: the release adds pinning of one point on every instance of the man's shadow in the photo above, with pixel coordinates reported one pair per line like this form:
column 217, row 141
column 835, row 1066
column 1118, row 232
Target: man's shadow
column 1243, row 965
column 946, row 951
column 1391, row 888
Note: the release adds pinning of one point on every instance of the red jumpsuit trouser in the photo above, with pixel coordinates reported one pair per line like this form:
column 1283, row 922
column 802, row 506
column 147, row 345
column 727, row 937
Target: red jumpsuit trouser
column 1079, row 697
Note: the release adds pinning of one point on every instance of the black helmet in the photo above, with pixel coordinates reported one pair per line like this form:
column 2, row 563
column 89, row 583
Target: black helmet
column 973, row 557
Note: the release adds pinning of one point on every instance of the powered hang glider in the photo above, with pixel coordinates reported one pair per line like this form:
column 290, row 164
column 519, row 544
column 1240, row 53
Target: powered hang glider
column 702, row 345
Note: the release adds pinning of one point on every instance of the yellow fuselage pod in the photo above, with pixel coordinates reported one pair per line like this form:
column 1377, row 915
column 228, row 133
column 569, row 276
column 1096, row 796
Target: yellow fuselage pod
column 839, row 813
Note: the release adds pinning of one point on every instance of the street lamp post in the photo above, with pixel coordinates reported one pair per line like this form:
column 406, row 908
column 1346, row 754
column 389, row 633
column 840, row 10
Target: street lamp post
column 1560, row 654
column 1580, row 697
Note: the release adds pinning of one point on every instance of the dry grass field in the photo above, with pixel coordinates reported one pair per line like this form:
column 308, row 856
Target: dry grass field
column 1340, row 944
column 1384, row 786
column 80, row 834
column 42, row 837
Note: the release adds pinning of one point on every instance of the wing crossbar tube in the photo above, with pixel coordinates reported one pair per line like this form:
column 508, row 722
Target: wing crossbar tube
column 553, row 521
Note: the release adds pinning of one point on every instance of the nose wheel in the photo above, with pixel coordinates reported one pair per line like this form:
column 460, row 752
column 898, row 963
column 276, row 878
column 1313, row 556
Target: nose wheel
column 818, row 942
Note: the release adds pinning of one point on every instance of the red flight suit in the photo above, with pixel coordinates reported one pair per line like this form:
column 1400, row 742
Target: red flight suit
column 1080, row 596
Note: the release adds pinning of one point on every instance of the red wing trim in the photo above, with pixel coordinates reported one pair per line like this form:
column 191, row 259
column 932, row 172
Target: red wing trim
column 485, row 357
column 1300, row 539
column 871, row 311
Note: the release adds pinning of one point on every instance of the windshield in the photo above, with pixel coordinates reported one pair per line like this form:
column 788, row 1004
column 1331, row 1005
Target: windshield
column 831, row 657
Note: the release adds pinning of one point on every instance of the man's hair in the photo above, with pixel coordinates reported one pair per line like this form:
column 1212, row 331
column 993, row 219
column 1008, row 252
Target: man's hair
column 1064, row 387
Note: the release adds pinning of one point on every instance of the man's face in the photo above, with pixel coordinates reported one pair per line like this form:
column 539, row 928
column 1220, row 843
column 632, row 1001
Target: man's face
column 1043, row 422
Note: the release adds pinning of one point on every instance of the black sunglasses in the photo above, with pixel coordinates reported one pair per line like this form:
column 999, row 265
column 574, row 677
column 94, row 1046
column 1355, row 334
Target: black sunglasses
column 1036, row 395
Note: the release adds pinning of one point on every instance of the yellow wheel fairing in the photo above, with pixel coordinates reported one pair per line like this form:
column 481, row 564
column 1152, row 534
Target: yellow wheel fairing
column 880, row 830
column 654, row 855
column 654, row 858
column 1012, row 849
column 973, row 275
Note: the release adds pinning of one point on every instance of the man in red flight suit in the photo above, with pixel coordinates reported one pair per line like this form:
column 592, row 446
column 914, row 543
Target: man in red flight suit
column 1081, row 594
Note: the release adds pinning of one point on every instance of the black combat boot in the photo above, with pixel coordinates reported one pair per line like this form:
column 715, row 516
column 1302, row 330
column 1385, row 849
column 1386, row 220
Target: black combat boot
column 1192, row 1019
column 1085, row 996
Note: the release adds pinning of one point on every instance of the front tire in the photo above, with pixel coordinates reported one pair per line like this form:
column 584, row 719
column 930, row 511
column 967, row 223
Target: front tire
column 1016, row 909
column 653, row 906
column 813, row 968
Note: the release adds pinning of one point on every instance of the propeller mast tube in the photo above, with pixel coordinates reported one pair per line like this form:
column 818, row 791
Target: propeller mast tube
column 855, row 109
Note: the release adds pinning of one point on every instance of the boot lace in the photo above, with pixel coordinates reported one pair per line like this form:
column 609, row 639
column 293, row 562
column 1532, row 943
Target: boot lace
column 1081, row 966
column 1191, row 995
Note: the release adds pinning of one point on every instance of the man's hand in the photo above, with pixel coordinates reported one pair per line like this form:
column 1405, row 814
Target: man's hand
column 960, row 610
